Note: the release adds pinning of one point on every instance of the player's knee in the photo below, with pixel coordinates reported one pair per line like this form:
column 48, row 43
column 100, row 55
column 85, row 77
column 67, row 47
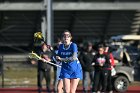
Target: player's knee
column 66, row 91
column 60, row 89
column 72, row 91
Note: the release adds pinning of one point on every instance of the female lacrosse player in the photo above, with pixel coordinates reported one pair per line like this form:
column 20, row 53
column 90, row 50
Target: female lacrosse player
column 71, row 71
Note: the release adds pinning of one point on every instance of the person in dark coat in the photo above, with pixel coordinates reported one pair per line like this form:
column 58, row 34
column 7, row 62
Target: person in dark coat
column 85, row 58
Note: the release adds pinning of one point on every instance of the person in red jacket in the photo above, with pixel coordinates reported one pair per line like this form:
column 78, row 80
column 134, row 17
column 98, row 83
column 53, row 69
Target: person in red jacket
column 111, row 58
column 110, row 55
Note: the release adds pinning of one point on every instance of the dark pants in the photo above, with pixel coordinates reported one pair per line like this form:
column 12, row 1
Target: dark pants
column 109, row 83
column 100, row 80
column 43, row 74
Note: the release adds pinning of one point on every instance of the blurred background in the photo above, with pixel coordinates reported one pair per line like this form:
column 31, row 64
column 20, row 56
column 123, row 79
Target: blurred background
column 88, row 20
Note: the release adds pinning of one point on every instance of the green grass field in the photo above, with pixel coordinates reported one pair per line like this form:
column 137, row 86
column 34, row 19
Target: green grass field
column 25, row 75
column 20, row 74
column 20, row 77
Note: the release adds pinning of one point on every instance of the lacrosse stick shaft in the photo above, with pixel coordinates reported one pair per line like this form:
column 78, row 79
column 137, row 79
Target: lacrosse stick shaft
column 44, row 59
column 51, row 63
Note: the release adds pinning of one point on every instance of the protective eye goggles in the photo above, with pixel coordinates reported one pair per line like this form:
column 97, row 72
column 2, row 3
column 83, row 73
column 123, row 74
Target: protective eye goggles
column 66, row 35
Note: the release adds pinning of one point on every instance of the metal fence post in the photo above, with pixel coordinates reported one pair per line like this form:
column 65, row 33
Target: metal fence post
column 2, row 70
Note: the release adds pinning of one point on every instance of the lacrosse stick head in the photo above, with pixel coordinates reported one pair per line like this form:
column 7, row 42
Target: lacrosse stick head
column 33, row 56
column 38, row 36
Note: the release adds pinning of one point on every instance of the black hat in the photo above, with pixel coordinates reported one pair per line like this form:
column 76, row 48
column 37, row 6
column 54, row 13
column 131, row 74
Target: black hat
column 100, row 46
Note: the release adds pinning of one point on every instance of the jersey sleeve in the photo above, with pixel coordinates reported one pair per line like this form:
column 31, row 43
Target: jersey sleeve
column 75, row 49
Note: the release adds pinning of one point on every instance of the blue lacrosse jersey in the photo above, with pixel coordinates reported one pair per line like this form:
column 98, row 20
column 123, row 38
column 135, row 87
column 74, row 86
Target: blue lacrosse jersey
column 71, row 69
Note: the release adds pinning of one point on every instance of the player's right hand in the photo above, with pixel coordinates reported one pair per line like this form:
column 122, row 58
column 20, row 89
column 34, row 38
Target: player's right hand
column 43, row 59
column 58, row 58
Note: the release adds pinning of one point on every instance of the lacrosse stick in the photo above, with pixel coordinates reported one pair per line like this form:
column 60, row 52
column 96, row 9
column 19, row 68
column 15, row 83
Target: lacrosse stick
column 35, row 56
